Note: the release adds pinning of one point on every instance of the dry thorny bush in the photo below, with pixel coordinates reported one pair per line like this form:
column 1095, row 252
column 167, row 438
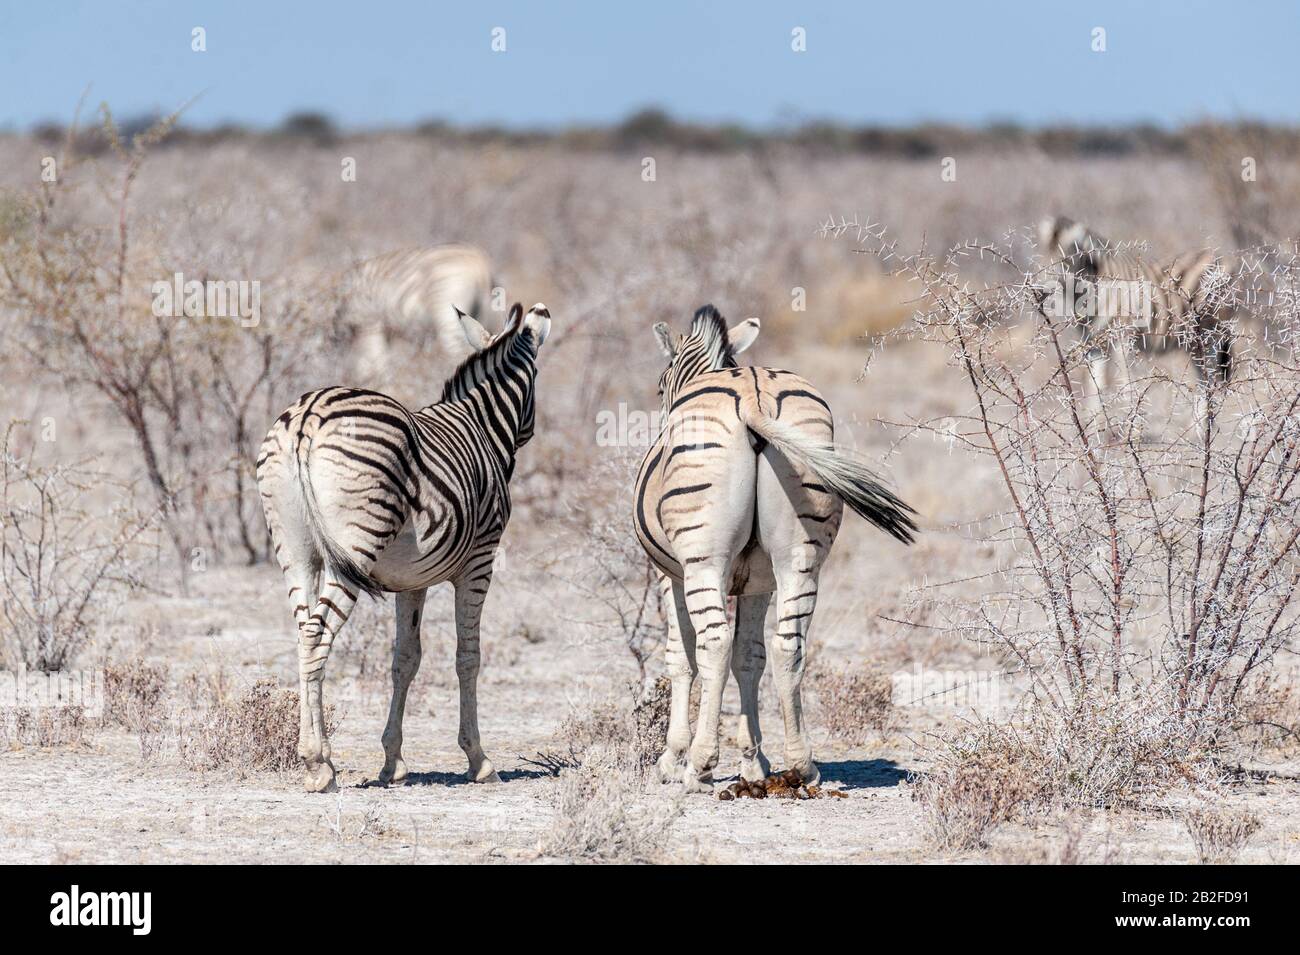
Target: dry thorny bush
column 1148, row 549
column 193, row 391
column 211, row 724
column 66, row 565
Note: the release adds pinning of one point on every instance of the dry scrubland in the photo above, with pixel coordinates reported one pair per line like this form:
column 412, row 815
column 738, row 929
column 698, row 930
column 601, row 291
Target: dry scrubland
column 194, row 756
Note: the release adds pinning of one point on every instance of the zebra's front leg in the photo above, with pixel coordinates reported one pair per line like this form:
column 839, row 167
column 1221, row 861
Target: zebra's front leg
column 707, row 604
column 406, row 662
column 315, row 637
column 470, row 594
column 679, row 660
column 748, row 659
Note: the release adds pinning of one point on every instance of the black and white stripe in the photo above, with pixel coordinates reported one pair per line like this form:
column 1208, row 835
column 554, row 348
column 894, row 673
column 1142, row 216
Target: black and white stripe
column 1188, row 300
column 742, row 495
column 362, row 494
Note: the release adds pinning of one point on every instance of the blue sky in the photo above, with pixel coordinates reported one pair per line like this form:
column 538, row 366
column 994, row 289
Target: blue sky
column 893, row 62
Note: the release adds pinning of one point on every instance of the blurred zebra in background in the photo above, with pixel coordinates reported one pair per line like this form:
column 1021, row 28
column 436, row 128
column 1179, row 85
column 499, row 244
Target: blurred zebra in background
column 411, row 297
column 1184, row 303
column 361, row 493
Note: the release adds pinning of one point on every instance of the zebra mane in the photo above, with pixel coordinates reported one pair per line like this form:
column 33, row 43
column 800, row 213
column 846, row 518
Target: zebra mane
column 709, row 335
column 481, row 365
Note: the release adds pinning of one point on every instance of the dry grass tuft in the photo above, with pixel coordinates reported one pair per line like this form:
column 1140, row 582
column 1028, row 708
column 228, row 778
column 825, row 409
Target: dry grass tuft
column 980, row 782
column 44, row 727
column 636, row 735
column 855, row 700
column 1220, row 833
column 135, row 697
column 594, row 816
column 256, row 732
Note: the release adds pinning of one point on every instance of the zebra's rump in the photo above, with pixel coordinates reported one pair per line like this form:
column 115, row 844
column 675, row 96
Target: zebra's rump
column 397, row 492
column 696, row 488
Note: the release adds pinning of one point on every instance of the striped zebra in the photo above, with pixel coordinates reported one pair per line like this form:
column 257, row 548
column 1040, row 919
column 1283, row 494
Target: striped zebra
column 1182, row 303
column 410, row 294
column 742, row 494
column 363, row 494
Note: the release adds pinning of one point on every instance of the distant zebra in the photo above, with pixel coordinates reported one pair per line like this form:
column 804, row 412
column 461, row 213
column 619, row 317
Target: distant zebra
column 1186, row 302
column 412, row 296
column 363, row 494
column 742, row 494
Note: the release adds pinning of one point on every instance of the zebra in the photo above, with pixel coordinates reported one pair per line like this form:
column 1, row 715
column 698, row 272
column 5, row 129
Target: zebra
column 1183, row 303
column 742, row 494
column 407, row 294
column 362, row 494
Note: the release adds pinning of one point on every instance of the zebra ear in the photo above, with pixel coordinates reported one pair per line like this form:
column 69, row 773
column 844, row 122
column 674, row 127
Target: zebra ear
column 475, row 334
column 666, row 340
column 516, row 313
column 742, row 336
column 538, row 320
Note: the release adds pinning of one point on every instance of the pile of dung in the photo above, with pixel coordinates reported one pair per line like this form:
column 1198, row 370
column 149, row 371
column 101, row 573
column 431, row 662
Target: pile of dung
column 786, row 785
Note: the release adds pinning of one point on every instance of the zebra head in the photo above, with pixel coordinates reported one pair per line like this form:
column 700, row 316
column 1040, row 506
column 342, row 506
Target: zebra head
column 1070, row 246
column 708, row 346
column 504, row 363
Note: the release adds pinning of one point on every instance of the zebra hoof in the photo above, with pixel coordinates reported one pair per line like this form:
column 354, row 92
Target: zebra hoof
column 484, row 774
column 755, row 769
column 809, row 773
column 395, row 776
column 697, row 783
column 320, row 778
column 670, row 767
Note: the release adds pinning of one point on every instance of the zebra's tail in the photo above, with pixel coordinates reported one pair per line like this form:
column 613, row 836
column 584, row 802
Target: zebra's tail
column 843, row 471
column 332, row 555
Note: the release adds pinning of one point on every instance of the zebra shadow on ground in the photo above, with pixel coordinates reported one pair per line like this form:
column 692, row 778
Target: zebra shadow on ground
column 437, row 778
column 862, row 773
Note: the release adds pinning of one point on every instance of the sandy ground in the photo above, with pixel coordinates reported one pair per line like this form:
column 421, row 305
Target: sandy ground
column 103, row 803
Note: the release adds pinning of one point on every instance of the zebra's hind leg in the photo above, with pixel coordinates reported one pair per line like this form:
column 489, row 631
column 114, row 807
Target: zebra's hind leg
column 470, row 594
column 679, row 659
column 748, row 658
column 315, row 637
column 796, row 596
column 406, row 662
column 708, row 608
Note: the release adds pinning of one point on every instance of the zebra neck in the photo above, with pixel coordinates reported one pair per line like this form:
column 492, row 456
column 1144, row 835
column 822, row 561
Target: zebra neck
column 495, row 389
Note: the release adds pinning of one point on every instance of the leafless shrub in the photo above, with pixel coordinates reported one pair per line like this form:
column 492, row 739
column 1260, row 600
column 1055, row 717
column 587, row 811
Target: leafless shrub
column 595, row 819
column 1220, row 833
column 1148, row 549
column 130, row 688
column 254, row 732
column 855, row 700
column 65, row 566
column 83, row 294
